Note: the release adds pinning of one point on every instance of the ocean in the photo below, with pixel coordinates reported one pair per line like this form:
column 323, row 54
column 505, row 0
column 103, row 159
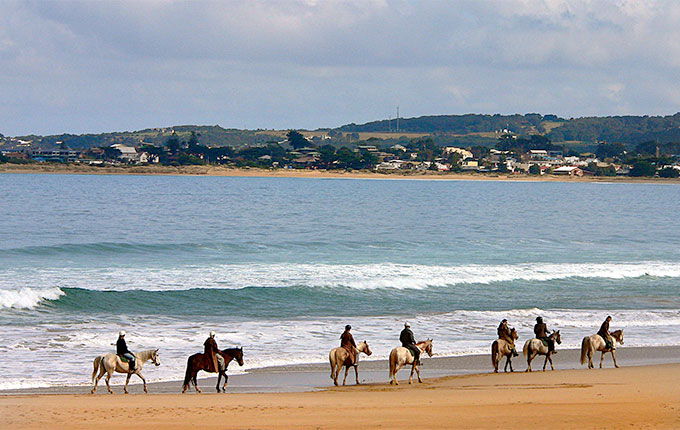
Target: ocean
column 280, row 265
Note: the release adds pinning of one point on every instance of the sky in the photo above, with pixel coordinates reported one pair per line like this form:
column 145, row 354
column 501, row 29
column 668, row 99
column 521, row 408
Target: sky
column 97, row 66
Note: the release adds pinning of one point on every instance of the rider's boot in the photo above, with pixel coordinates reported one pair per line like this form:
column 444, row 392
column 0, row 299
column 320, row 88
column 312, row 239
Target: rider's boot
column 514, row 352
column 131, row 367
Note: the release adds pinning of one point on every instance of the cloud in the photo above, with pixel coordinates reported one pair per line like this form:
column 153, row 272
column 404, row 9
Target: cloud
column 94, row 66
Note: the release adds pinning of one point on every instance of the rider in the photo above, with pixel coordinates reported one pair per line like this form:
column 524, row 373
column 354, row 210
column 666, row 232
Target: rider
column 210, row 349
column 541, row 332
column 604, row 333
column 505, row 334
column 409, row 341
column 347, row 342
column 123, row 351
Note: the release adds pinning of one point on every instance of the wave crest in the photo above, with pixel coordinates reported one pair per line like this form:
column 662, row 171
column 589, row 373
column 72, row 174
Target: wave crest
column 27, row 298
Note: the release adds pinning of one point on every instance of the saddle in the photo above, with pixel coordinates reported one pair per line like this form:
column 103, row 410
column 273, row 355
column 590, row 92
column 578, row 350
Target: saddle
column 545, row 342
column 123, row 359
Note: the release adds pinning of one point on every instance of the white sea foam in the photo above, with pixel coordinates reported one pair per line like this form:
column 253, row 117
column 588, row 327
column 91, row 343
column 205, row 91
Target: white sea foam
column 358, row 276
column 26, row 298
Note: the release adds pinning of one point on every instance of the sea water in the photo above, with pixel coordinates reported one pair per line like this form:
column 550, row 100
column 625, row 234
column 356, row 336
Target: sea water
column 280, row 265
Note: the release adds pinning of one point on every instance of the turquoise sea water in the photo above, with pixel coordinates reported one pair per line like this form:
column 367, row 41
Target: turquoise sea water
column 283, row 264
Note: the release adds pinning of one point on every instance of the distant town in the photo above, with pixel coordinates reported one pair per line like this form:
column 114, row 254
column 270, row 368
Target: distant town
column 647, row 147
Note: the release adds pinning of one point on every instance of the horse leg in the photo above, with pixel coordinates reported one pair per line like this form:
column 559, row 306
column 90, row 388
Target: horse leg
column 551, row 363
column 126, row 382
column 396, row 370
column 195, row 380
column 219, row 379
column 356, row 373
column 418, row 373
column 590, row 357
column 413, row 368
column 334, row 374
column 545, row 363
column 108, row 387
column 602, row 359
column 143, row 380
column 530, row 357
column 345, row 379
column 96, row 380
column 614, row 358
column 226, row 379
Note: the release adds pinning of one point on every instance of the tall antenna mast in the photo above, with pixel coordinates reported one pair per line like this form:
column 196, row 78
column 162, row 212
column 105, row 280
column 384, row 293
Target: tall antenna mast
column 397, row 119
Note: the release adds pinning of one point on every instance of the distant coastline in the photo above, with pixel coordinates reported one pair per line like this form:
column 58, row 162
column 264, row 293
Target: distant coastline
column 76, row 169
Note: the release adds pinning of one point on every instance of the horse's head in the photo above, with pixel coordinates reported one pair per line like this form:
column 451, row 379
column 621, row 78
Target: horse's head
column 363, row 347
column 514, row 334
column 618, row 335
column 238, row 356
column 154, row 358
column 556, row 337
column 428, row 347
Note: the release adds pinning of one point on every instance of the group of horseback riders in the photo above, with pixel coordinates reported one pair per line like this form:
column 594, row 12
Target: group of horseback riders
column 210, row 349
column 406, row 338
column 541, row 332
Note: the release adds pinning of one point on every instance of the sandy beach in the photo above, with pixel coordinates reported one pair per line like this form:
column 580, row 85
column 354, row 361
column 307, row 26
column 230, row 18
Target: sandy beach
column 635, row 396
column 630, row 397
column 299, row 173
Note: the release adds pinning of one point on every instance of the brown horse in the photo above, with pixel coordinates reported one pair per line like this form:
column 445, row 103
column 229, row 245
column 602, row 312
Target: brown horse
column 499, row 349
column 200, row 361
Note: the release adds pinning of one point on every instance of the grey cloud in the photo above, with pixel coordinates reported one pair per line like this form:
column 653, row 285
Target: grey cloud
column 93, row 66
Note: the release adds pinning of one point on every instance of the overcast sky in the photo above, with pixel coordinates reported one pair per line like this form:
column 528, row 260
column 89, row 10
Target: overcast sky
column 92, row 66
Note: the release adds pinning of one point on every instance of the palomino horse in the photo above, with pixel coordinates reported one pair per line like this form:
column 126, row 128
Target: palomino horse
column 499, row 349
column 339, row 355
column 110, row 363
column 534, row 347
column 594, row 343
column 401, row 356
column 201, row 361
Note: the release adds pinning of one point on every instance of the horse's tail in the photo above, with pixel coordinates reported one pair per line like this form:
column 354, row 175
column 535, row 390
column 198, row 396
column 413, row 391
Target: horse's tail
column 525, row 350
column 585, row 345
column 332, row 362
column 187, row 375
column 96, row 364
column 393, row 362
column 494, row 353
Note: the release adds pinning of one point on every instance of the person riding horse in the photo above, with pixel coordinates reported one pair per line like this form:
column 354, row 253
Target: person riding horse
column 211, row 350
column 541, row 332
column 347, row 342
column 123, row 351
column 408, row 340
column 505, row 334
column 604, row 333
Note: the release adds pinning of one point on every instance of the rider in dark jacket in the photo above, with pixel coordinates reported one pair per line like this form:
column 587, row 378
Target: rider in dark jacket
column 347, row 342
column 409, row 341
column 541, row 332
column 505, row 334
column 123, row 351
column 604, row 333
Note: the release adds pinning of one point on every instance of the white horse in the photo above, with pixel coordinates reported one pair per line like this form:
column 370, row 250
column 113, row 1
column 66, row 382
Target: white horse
column 401, row 356
column 594, row 342
column 110, row 363
column 534, row 347
column 337, row 358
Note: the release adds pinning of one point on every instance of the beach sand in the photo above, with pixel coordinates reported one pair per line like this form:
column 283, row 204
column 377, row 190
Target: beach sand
column 629, row 397
column 54, row 168
column 646, row 396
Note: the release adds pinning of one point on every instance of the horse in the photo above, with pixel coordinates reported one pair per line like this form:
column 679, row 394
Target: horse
column 401, row 356
column 110, row 363
column 203, row 362
column 499, row 349
column 337, row 358
column 594, row 343
column 534, row 347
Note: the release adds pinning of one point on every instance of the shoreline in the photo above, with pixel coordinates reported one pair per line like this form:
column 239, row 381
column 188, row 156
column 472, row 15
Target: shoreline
column 219, row 171
column 314, row 377
column 634, row 396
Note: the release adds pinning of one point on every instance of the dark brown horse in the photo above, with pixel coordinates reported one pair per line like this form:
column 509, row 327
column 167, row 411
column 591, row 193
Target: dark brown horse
column 203, row 362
